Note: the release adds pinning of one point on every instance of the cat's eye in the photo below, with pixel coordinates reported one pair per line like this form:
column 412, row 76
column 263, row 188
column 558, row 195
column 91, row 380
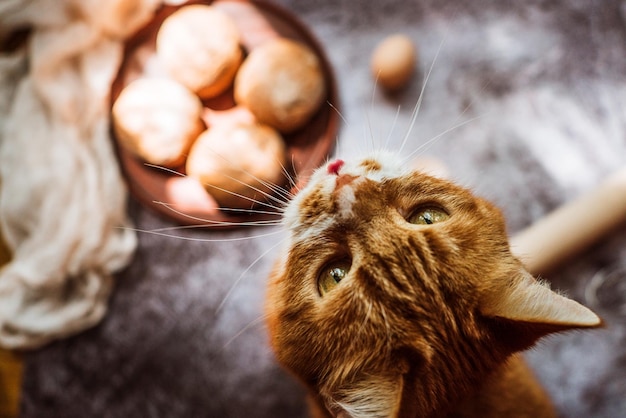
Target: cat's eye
column 332, row 275
column 428, row 216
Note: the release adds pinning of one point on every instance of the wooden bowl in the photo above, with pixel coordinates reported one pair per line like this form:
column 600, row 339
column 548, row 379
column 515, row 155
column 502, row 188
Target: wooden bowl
column 183, row 199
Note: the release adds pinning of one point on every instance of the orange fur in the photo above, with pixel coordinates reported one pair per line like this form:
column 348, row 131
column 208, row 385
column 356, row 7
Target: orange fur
column 429, row 317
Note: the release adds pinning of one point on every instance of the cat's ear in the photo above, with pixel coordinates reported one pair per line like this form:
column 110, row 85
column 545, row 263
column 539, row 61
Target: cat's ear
column 527, row 309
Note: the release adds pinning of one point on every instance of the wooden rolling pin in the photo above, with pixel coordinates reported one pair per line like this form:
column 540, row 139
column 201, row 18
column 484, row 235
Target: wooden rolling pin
column 572, row 228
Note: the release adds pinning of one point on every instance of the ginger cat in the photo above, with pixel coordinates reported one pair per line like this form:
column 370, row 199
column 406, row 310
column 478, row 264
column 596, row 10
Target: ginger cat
column 398, row 296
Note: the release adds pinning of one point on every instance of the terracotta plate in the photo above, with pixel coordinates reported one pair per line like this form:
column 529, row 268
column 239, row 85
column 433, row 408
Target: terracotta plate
column 183, row 199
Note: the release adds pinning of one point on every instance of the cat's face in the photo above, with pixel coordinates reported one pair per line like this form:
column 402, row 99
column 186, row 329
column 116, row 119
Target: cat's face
column 393, row 294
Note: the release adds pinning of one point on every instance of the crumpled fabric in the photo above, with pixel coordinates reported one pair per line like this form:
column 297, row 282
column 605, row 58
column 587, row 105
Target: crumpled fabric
column 62, row 197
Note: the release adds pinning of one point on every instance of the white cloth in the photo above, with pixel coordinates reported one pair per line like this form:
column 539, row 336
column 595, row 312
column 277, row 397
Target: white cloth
column 62, row 199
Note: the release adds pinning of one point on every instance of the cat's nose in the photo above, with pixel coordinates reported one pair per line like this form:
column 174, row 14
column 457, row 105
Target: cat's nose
column 334, row 167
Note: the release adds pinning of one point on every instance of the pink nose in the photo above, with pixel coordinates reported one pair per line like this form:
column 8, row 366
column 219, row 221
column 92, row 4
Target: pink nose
column 334, row 167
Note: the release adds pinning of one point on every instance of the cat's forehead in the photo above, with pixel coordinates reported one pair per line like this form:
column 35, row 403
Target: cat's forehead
column 343, row 194
column 377, row 166
column 342, row 190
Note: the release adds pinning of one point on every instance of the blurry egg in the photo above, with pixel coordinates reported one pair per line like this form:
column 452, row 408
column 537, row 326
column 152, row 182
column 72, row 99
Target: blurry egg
column 393, row 61
column 199, row 47
column 282, row 83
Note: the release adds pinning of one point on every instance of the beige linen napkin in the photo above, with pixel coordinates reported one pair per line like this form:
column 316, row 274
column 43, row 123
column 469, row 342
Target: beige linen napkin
column 62, row 199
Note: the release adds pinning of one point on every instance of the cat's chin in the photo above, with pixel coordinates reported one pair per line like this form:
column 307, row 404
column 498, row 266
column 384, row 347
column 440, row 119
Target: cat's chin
column 373, row 396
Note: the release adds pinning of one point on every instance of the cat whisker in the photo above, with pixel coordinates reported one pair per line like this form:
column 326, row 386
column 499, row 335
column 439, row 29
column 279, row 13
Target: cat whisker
column 254, row 211
column 278, row 191
column 236, row 282
column 272, row 187
column 287, row 193
column 319, row 154
column 275, row 188
column 167, row 170
column 464, row 111
column 333, row 107
column 250, row 199
column 438, row 136
column 180, row 227
column 250, row 325
column 393, row 127
column 226, row 223
column 293, row 180
column 369, row 112
column 420, row 99
column 471, row 102
column 372, row 139
column 198, row 239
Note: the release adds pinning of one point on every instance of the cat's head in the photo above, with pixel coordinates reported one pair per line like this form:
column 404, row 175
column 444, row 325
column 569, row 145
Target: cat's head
column 398, row 291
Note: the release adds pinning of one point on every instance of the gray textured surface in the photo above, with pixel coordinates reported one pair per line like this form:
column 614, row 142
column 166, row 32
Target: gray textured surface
column 546, row 82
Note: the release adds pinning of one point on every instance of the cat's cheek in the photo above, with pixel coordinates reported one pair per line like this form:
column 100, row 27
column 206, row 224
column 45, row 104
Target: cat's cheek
column 309, row 207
